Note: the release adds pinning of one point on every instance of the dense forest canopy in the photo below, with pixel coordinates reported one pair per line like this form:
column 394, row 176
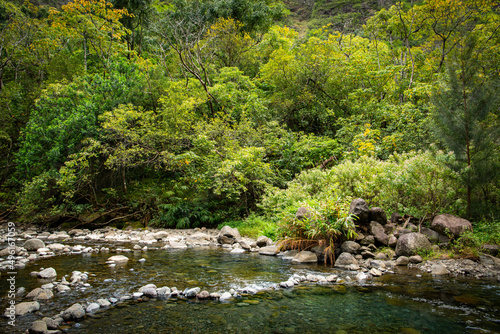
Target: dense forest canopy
column 186, row 113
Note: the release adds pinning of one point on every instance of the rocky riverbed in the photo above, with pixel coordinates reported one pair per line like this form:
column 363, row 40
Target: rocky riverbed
column 356, row 263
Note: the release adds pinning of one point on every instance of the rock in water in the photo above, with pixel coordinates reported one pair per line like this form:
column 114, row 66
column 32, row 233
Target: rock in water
column 305, row 257
column 93, row 307
column 345, row 259
column 74, row 312
column 408, row 244
column 225, row 296
column 47, row 273
column 269, row 250
column 118, row 259
column 38, row 327
column 203, row 295
column 446, row 223
column 25, row 307
column 33, row 244
column 402, row 261
column 439, row 269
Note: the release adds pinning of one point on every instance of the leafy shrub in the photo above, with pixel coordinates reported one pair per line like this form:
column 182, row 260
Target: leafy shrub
column 419, row 184
column 183, row 215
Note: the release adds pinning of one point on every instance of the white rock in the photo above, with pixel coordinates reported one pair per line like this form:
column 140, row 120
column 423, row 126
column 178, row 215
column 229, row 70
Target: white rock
column 225, row 296
column 118, row 259
column 103, row 302
column 93, row 307
column 375, row 272
column 47, row 273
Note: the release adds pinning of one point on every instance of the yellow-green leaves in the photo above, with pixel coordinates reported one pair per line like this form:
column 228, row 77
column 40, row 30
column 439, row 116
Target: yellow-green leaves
column 93, row 25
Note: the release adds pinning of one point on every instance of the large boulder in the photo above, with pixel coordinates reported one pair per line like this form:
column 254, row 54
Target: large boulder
column 446, row 223
column 228, row 235
column 378, row 215
column 33, row 244
column 378, row 232
column 360, row 209
column 305, row 257
column 409, row 243
column 350, row 247
column 345, row 259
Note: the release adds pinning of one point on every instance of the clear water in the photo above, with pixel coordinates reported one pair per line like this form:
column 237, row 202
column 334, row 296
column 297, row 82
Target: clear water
column 399, row 303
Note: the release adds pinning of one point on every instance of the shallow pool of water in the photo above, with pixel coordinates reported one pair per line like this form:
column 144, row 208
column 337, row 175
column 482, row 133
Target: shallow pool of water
column 394, row 303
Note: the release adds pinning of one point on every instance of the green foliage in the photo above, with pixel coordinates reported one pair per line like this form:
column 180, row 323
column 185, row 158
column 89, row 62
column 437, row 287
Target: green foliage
column 39, row 194
column 254, row 226
column 416, row 184
column 184, row 215
column 485, row 232
column 67, row 113
column 464, row 109
column 191, row 113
